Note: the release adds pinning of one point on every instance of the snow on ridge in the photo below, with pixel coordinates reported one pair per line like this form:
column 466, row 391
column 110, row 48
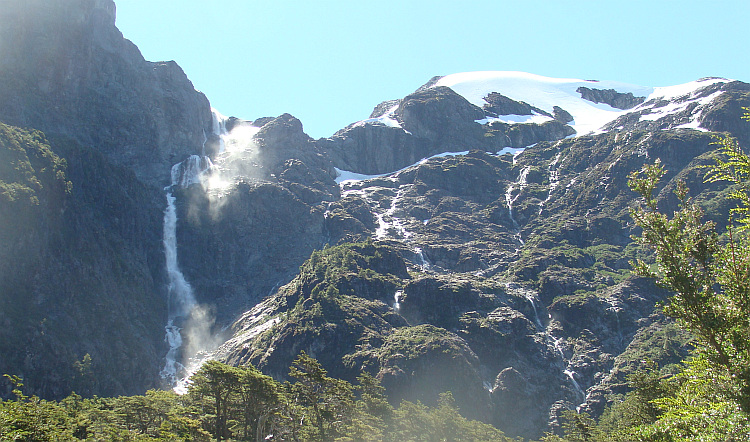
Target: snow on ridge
column 387, row 119
column 546, row 92
column 543, row 93
column 679, row 90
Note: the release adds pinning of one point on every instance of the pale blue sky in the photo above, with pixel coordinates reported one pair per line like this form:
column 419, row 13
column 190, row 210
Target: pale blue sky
column 330, row 62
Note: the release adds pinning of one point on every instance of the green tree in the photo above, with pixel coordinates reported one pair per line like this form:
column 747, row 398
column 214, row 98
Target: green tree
column 413, row 422
column 372, row 414
column 710, row 278
column 330, row 401
column 259, row 397
column 32, row 419
column 709, row 275
column 216, row 386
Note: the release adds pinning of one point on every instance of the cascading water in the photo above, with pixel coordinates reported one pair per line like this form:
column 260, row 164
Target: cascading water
column 397, row 300
column 424, row 264
column 183, row 309
column 554, row 179
column 181, row 298
column 552, row 342
column 219, row 128
column 385, row 226
column 529, row 296
column 510, row 200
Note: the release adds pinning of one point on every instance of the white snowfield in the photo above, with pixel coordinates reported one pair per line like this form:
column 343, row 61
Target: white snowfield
column 545, row 92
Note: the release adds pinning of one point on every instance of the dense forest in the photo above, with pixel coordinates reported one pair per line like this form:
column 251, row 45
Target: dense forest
column 240, row 403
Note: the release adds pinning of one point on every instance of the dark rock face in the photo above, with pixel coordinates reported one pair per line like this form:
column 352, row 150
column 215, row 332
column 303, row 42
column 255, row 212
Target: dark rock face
column 714, row 106
column 373, row 149
column 435, row 120
column 239, row 242
column 518, row 269
column 432, row 121
column 81, row 273
column 501, row 105
column 68, row 71
column 618, row 100
column 561, row 115
column 234, row 250
column 441, row 116
column 522, row 135
column 723, row 114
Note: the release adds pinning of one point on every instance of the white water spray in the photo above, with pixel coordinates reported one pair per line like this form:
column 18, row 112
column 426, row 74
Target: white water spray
column 188, row 329
column 397, row 300
column 181, row 299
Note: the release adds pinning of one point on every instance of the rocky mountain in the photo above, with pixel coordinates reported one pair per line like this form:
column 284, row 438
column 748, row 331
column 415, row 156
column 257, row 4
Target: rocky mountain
column 68, row 70
column 473, row 236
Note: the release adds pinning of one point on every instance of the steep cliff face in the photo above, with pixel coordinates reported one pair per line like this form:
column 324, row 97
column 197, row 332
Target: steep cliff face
column 67, row 70
column 81, row 270
column 257, row 214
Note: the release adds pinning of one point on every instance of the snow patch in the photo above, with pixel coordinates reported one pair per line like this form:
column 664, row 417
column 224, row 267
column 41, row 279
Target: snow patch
column 344, row 177
column 387, row 119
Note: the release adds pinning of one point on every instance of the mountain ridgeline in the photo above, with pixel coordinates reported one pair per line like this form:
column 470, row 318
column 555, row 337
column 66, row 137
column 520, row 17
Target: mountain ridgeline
column 471, row 237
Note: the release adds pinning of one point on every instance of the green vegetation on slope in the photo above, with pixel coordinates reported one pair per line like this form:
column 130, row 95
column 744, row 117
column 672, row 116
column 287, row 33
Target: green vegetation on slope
column 240, row 403
column 708, row 396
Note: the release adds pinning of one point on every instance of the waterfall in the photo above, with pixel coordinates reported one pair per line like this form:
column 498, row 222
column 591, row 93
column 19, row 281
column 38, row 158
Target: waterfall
column 554, row 343
column 530, row 297
column 554, row 179
column 188, row 323
column 219, row 128
column 424, row 264
column 385, row 227
column 181, row 299
column 510, row 200
column 397, row 300
column 579, row 391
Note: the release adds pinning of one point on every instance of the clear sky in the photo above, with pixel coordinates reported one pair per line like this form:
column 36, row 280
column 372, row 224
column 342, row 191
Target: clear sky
column 330, row 62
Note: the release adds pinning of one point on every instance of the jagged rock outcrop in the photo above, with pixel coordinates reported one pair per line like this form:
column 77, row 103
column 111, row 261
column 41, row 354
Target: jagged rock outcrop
column 429, row 121
column 256, row 237
column 67, row 70
column 618, row 100
column 700, row 108
column 262, row 220
column 522, row 135
column 499, row 104
column 521, row 261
